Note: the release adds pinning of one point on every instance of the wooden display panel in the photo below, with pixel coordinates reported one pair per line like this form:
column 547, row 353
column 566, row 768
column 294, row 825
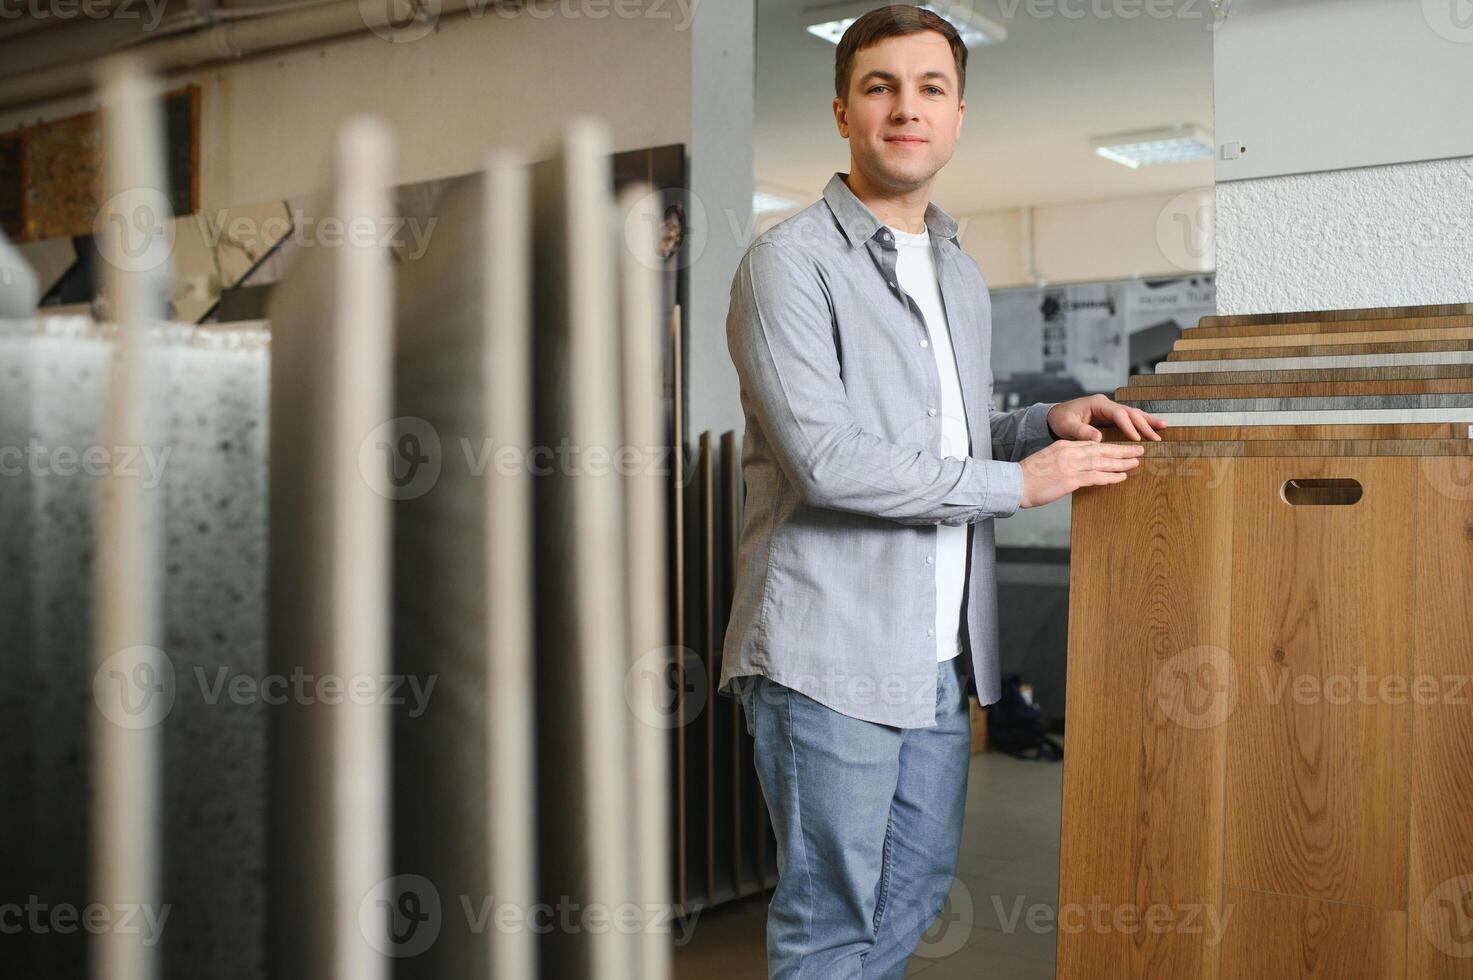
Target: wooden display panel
column 1328, row 833
column 1331, row 340
column 1413, row 372
column 1439, row 928
column 1341, row 352
column 1328, row 327
column 1297, row 389
column 1370, row 313
column 1237, row 433
column 1143, row 811
column 1316, row 792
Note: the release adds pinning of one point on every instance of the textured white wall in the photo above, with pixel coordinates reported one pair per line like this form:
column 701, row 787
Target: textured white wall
column 1399, row 235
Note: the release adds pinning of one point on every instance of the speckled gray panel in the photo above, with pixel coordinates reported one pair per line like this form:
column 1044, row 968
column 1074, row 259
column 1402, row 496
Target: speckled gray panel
column 211, row 466
column 66, row 409
column 17, row 748
column 214, row 632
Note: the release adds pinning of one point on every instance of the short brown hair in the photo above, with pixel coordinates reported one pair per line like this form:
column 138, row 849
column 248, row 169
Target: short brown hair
column 894, row 20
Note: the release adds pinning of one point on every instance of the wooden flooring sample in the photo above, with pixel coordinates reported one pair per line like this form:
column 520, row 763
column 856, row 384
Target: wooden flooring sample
column 1330, row 326
column 1322, row 597
column 1143, row 779
column 1298, row 389
column 1377, row 312
column 1297, row 417
column 1201, row 433
column 1328, row 340
column 1351, row 403
column 1156, row 451
column 1439, row 936
column 1293, row 374
column 1284, row 937
column 1320, row 350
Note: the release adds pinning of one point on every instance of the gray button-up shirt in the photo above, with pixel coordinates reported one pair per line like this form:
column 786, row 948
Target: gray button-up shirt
column 835, row 589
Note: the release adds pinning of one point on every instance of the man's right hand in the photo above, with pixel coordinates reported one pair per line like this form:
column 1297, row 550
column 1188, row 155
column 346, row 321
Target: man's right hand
column 1066, row 465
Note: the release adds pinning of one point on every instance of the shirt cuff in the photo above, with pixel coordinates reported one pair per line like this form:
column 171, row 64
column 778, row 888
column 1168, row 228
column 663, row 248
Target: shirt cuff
column 1035, row 432
column 1005, row 495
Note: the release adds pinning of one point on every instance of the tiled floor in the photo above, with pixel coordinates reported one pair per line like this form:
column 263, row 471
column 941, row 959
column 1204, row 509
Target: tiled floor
column 999, row 922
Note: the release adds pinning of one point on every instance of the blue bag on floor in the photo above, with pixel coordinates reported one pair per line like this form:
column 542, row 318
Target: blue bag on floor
column 1016, row 727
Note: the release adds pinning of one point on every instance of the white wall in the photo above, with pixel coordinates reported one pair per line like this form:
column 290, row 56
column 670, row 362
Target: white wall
column 1397, row 235
column 1147, row 236
column 1342, row 104
column 267, row 124
column 1309, row 85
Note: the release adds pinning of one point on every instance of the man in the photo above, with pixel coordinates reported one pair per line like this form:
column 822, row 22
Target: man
column 865, row 598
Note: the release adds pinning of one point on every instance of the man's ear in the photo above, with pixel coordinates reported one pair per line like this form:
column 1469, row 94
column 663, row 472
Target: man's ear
column 841, row 117
column 961, row 110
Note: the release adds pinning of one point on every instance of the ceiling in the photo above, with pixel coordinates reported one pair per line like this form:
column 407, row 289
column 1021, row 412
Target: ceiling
column 1033, row 102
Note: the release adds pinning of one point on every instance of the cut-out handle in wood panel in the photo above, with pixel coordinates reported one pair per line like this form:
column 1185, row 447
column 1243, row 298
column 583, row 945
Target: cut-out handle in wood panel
column 1321, row 493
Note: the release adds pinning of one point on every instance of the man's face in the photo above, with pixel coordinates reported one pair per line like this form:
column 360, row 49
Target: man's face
column 904, row 115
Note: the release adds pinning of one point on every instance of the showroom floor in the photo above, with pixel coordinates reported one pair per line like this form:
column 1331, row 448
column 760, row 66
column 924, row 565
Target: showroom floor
column 1009, row 870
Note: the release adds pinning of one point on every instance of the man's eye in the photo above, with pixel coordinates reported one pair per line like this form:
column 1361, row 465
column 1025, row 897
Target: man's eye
column 873, row 87
column 934, row 89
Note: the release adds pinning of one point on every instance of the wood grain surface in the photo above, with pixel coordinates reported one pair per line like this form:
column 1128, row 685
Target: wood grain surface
column 1439, row 936
column 1198, row 433
column 1316, row 777
column 1297, row 389
column 1327, row 339
column 1142, row 807
column 1316, row 348
column 1312, row 316
column 1285, row 937
column 1307, row 448
column 1329, row 326
column 1409, row 372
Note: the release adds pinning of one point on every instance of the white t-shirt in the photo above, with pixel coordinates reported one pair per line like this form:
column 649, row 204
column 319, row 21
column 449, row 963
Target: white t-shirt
column 915, row 265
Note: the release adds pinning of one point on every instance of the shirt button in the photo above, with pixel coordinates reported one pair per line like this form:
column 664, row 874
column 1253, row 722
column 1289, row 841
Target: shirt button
column 931, row 632
column 928, row 559
column 930, row 411
column 925, row 343
column 892, row 285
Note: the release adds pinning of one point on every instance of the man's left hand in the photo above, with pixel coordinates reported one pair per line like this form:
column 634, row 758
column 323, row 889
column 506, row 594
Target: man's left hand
column 1071, row 419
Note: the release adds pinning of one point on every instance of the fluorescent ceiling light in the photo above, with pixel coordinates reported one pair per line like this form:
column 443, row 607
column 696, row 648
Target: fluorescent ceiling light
column 763, row 201
column 1148, row 147
column 831, row 20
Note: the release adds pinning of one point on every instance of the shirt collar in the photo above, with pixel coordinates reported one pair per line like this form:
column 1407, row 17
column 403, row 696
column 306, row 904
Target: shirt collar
column 859, row 222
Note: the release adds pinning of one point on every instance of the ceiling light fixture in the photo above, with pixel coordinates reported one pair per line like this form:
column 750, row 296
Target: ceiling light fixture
column 1149, row 147
column 763, row 202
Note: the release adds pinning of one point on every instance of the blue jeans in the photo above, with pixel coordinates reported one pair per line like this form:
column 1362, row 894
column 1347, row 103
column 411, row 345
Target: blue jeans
column 868, row 820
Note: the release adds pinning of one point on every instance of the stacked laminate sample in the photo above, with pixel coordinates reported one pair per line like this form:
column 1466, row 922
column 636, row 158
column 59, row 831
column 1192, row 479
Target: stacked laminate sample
column 1269, row 721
